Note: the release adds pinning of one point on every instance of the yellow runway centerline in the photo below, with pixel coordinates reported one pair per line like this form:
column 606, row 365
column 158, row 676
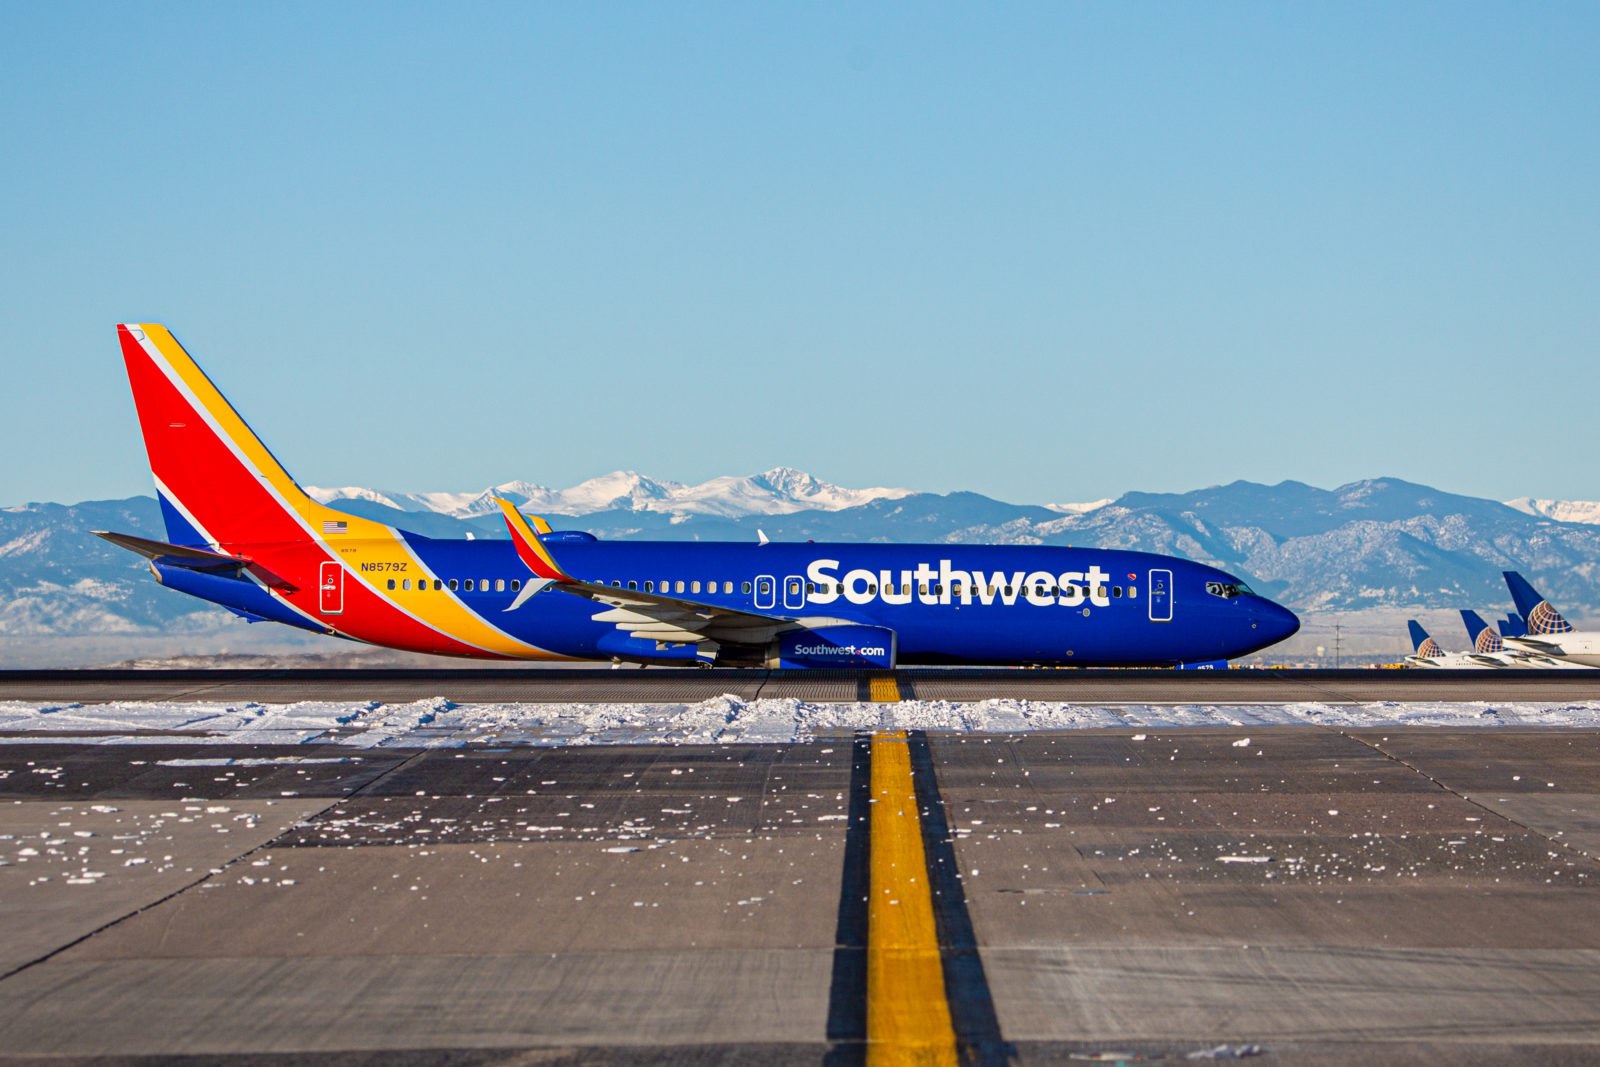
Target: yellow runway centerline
column 883, row 689
column 908, row 1015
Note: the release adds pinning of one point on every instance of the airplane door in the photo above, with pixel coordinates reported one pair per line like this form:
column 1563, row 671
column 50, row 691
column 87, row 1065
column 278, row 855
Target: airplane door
column 1160, row 596
column 330, row 586
column 766, row 591
column 794, row 592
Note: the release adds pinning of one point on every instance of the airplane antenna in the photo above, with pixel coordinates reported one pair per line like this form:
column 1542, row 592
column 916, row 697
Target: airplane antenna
column 761, row 536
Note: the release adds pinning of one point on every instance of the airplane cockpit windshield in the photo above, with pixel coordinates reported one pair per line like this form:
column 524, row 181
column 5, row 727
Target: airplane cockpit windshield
column 1228, row 590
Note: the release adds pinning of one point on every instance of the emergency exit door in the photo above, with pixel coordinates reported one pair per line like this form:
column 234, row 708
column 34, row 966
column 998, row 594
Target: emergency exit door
column 1160, row 596
column 330, row 588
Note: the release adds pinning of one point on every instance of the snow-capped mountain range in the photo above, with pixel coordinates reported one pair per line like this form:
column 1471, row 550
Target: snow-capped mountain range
column 1380, row 544
column 779, row 491
column 1587, row 511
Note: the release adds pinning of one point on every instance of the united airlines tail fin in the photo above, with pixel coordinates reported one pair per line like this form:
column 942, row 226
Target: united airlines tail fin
column 217, row 483
column 1513, row 626
column 1425, row 646
column 1482, row 638
column 1541, row 617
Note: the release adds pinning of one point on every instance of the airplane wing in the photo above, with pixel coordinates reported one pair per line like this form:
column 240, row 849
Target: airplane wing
column 1534, row 644
column 666, row 618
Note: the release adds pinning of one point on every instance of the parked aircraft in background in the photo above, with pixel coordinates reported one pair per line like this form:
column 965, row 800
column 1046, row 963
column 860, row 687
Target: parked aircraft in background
column 1427, row 653
column 1490, row 648
column 243, row 534
column 1548, row 634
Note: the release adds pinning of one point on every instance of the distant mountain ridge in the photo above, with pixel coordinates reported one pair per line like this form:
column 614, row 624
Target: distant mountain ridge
column 1378, row 543
column 779, row 491
column 1587, row 511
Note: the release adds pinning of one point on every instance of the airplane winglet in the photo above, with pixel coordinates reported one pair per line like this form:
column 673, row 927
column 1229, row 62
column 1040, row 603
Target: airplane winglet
column 529, row 548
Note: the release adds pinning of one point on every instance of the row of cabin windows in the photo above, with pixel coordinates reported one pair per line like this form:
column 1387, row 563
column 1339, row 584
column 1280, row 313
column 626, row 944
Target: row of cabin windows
column 469, row 585
column 680, row 586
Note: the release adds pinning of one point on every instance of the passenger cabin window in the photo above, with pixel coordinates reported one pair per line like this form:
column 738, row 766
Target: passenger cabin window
column 499, row 585
column 632, row 584
column 680, row 585
column 649, row 587
column 744, row 587
column 391, row 583
column 516, row 584
column 694, row 587
column 454, row 585
column 467, row 586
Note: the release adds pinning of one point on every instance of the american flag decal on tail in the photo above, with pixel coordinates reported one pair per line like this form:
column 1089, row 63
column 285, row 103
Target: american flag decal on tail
column 335, row 526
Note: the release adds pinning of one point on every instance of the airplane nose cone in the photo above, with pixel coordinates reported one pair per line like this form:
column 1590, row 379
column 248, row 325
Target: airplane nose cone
column 1275, row 623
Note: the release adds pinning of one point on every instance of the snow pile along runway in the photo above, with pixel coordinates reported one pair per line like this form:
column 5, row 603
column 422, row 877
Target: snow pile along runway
column 439, row 722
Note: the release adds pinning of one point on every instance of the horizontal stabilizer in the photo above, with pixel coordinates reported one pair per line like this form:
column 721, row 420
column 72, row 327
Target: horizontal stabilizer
column 191, row 558
column 181, row 555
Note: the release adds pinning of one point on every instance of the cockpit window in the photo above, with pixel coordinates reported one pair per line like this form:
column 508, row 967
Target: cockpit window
column 1228, row 590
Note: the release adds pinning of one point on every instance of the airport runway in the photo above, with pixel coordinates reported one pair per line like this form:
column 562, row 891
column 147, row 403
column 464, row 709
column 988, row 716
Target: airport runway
column 1406, row 895
column 580, row 685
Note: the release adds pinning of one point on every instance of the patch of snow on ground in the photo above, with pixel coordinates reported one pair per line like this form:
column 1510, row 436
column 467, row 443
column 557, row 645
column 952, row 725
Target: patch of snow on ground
column 727, row 719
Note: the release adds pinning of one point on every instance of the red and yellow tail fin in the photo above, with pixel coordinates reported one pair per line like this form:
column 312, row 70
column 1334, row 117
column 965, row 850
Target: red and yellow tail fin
column 217, row 482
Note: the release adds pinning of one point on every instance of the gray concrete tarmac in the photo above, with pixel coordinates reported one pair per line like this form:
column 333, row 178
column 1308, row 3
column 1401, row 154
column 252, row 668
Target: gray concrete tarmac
column 1414, row 895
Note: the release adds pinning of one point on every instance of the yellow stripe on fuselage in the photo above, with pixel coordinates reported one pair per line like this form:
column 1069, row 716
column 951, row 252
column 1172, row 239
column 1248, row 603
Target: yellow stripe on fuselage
column 908, row 1016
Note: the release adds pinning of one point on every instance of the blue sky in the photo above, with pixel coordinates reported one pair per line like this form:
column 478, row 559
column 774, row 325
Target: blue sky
column 1046, row 252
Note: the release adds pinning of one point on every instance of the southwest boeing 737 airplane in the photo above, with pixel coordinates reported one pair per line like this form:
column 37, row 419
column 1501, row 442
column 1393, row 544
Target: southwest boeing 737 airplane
column 243, row 534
